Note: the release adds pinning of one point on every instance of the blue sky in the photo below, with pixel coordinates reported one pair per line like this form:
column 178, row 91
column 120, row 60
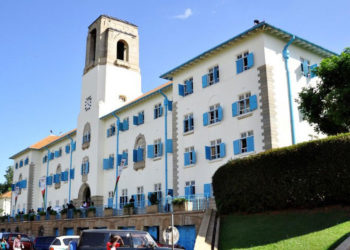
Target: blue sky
column 42, row 49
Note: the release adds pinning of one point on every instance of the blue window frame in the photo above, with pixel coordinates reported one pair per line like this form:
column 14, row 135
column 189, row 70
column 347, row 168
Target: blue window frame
column 124, row 125
column 158, row 110
column 247, row 103
column 138, row 154
column 190, row 189
column 189, row 156
column 245, row 144
column 67, row 148
column 108, row 163
column 111, row 130
column 21, row 163
column 26, row 161
column 85, row 168
column 244, row 62
column 216, row 150
column 57, row 178
column 207, row 190
column 139, row 118
column 123, row 199
column 211, row 78
column 17, row 164
column 155, row 150
column 64, row 176
column 306, row 69
column 186, row 88
column 86, row 137
column 214, row 115
column 71, row 173
column 188, row 123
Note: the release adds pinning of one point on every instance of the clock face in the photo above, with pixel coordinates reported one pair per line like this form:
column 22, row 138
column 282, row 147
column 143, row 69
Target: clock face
column 88, row 101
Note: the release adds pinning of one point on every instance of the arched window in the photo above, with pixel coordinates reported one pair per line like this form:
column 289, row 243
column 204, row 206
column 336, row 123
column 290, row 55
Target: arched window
column 86, row 136
column 20, row 178
column 122, row 50
column 92, row 48
column 58, row 177
column 85, row 168
column 139, row 152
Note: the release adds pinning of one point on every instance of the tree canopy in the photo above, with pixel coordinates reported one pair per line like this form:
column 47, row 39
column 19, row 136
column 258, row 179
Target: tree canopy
column 327, row 105
column 4, row 187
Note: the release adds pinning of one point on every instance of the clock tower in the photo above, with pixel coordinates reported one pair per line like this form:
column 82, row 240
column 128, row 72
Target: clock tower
column 111, row 78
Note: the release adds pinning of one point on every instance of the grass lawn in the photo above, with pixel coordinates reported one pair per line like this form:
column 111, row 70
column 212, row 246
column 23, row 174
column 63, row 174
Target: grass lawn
column 320, row 229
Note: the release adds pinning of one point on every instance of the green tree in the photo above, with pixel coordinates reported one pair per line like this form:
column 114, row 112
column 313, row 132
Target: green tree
column 327, row 105
column 4, row 187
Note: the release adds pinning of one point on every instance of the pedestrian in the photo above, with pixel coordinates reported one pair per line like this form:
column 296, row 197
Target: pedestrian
column 4, row 245
column 114, row 242
column 17, row 244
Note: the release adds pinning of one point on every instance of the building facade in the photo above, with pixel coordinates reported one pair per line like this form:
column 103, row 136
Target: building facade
column 5, row 203
column 231, row 101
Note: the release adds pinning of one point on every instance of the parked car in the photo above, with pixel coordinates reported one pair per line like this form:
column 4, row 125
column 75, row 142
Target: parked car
column 96, row 239
column 61, row 242
column 43, row 242
column 9, row 237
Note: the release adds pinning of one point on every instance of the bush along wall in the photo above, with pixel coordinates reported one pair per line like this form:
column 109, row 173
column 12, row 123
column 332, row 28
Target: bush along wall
column 306, row 175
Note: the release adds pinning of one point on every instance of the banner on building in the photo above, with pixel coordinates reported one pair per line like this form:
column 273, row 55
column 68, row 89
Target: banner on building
column 16, row 194
column 120, row 169
column 42, row 186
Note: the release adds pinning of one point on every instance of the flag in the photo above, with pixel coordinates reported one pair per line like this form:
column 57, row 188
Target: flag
column 16, row 194
column 121, row 167
column 42, row 186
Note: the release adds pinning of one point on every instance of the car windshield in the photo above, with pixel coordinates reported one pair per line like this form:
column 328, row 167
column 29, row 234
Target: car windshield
column 67, row 240
column 142, row 240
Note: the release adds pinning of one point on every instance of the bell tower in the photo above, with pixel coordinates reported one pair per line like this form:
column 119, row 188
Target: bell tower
column 112, row 55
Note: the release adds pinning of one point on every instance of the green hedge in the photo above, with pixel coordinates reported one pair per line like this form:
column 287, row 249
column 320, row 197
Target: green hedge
column 306, row 175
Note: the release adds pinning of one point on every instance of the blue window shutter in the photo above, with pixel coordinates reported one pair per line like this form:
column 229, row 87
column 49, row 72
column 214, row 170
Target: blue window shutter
column 160, row 111
column 140, row 154
column 155, row 113
column 250, row 59
column 189, row 87
column 191, row 122
column 222, row 150
column 160, row 149
column 142, row 200
column 150, row 151
column 74, row 146
column 207, row 190
column 216, row 78
column 121, row 126
column 119, row 159
column 105, row 164
column 87, row 167
column 21, row 163
column 108, row 132
column 72, row 173
column 193, row 157
column 234, row 109
column 312, row 68
column 24, row 184
column 184, row 123
column 220, row 113
column 207, row 153
column 134, row 155
column 205, row 81
column 181, row 90
column 135, row 120
column 125, row 156
column 306, row 68
column 169, row 146
column 237, row 147
column 187, row 192
column 110, row 202
column 170, row 105
column 253, row 102
column 82, row 169
column 250, row 144
column 67, row 149
column 141, row 118
column 205, row 119
column 149, row 197
column 187, row 158
column 239, row 65
column 56, row 154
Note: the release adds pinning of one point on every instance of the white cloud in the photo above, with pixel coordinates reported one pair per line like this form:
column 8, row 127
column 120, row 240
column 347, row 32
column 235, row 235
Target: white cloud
column 185, row 15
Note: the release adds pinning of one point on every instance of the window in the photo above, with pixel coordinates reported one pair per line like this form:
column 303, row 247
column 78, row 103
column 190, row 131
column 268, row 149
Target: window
column 85, row 167
column 214, row 115
column 306, row 69
column 92, row 48
column 26, row 161
column 67, row 148
column 140, row 197
column 111, row 130
column 86, row 136
column 211, row 78
column 44, row 159
column 188, row 123
column 124, row 158
column 246, row 104
column 189, row 156
column 122, row 50
column 139, row 118
column 158, row 190
column 244, row 61
column 17, row 164
column 186, row 88
column 216, row 150
column 244, row 144
column 157, row 148
column 158, row 110
column 190, row 189
column 58, row 153
column 108, row 163
column 124, row 125
column 123, row 199
column 122, row 98
column 138, row 154
column 21, row 163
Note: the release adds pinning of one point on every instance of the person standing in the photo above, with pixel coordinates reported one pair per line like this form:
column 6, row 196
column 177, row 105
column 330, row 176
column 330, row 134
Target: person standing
column 4, row 245
column 17, row 244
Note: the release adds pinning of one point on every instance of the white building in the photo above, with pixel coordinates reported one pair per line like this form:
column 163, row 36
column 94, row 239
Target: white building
column 229, row 102
column 5, row 203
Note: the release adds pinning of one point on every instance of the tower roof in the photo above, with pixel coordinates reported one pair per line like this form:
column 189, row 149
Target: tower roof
column 113, row 18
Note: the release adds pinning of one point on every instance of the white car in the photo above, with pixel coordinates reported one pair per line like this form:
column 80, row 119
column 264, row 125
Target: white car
column 62, row 242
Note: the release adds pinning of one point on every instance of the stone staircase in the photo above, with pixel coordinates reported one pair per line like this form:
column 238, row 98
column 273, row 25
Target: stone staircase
column 208, row 234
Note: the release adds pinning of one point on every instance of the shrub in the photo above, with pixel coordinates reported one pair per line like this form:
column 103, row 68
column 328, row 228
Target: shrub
column 129, row 205
column 93, row 209
column 178, row 201
column 53, row 212
column 42, row 213
column 306, row 175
